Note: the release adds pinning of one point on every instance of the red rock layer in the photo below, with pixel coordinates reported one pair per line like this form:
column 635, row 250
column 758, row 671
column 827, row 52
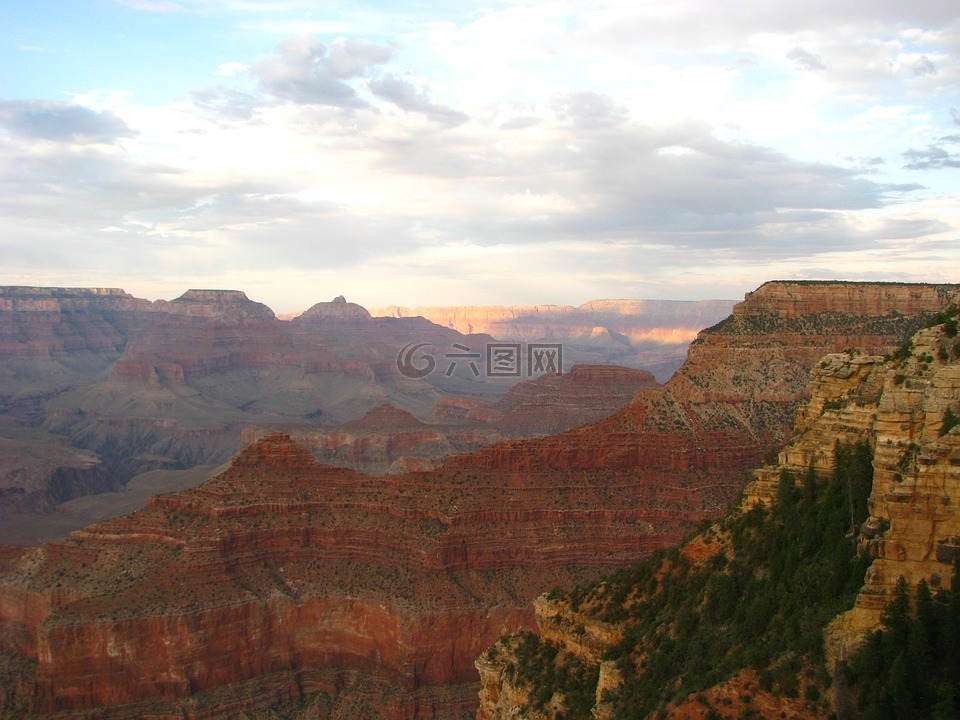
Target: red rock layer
column 280, row 568
column 555, row 403
column 278, row 571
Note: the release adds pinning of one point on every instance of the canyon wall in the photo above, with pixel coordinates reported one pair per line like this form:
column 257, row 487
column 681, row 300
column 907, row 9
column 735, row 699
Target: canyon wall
column 116, row 386
column 279, row 580
column 139, row 386
column 388, row 440
column 904, row 408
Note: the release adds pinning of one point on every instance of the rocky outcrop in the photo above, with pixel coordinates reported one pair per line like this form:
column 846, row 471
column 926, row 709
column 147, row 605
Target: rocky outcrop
column 792, row 300
column 899, row 406
column 337, row 308
column 902, row 406
column 224, row 305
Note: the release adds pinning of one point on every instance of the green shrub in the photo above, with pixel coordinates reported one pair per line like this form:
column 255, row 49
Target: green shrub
column 950, row 421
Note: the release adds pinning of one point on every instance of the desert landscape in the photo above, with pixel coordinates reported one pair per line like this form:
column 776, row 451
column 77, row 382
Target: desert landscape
column 300, row 584
column 502, row 360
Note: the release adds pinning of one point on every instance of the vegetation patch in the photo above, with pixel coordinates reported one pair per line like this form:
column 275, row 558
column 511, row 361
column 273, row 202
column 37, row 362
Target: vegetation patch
column 762, row 603
column 911, row 667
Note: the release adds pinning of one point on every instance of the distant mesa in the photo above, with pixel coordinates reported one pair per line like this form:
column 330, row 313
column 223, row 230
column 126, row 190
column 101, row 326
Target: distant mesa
column 231, row 305
column 338, row 308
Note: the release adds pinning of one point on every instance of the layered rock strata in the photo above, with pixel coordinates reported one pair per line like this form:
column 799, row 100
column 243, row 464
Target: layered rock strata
column 136, row 386
column 279, row 576
column 309, row 574
column 389, row 440
column 904, row 404
column 899, row 406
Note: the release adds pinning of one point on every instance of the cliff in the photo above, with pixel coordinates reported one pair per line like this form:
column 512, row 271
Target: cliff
column 863, row 494
column 292, row 579
column 733, row 401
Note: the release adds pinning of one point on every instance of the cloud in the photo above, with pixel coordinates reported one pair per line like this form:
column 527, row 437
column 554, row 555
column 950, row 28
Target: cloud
column 934, row 157
column 924, row 66
column 232, row 69
column 723, row 151
column 303, row 70
column 406, row 96
column 61, row 121
column 588, row 110
column 519, row 123
column 805, row 60
column 230, row 104
column 589, row 172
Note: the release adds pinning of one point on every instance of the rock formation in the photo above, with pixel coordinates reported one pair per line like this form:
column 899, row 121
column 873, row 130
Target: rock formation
column 136, row 386
column 905, row 407
column 297, row 583
column 902, row 407
column 389, row 440
column 291, row 578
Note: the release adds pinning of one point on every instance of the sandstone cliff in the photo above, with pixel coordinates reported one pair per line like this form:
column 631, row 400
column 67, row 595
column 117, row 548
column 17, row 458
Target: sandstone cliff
column 904, row 409
column 291, row 579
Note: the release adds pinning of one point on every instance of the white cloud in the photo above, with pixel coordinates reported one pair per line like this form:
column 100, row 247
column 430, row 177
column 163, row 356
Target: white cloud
column 232, row 69
column 305, row 71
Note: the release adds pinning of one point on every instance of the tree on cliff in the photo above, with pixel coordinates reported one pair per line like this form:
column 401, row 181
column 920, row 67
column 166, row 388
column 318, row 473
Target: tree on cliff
column 910, row 669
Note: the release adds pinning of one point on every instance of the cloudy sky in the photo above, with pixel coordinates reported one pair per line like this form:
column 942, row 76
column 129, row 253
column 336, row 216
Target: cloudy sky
column 455, row 152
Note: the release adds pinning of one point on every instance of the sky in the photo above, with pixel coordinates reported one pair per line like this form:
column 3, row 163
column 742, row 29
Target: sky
column 449, row 153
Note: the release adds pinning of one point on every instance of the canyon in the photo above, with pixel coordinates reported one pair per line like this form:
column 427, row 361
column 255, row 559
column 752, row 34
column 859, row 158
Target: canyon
column 99, row 388
column 286, row 588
